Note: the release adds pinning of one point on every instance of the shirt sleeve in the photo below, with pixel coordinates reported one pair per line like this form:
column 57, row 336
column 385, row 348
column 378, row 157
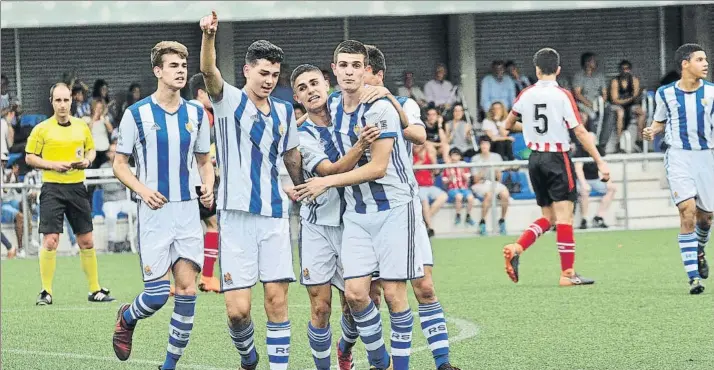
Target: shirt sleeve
column 88, row 139
column 230, row 95
column 411, row 108
column 571, row 115
column 127, row 134
column 310, row 149
column 660, row 114
column 291, row 139
column 518, row 104
column 203, row 137
column 36, row 141
column 385, row 117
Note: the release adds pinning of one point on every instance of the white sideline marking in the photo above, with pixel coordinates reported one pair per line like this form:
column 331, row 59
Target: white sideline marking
column 79, row 356
column 466, row 330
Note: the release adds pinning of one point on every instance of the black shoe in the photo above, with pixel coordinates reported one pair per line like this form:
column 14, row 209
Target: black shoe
column 44, row 299
column 583, row 224
column 101, row 295
column 702, row 265
column 695, row 286
column 447, row 366
column 252, row 366
column 599, row 222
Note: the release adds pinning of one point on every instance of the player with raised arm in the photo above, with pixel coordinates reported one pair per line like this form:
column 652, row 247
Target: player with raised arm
column 685, row 113
column 321, row 221
column 547, row 113
column 431, row 314
column 380, row 218
column 165, row 133
column 256, row 134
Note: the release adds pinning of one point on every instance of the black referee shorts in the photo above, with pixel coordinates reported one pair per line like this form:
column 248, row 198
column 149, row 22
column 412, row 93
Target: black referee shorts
column 58, row 200
column 553, row 177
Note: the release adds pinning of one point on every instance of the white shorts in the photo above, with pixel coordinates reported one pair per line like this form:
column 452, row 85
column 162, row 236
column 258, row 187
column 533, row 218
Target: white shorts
column 485, row 186
column 167, row 234
column 252, row 247
column 422, row 236
column 690, row 174
column 383, row 242
column 319, row 247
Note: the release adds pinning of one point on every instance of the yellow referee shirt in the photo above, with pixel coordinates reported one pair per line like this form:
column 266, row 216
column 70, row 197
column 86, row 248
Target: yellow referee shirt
column 54, row 142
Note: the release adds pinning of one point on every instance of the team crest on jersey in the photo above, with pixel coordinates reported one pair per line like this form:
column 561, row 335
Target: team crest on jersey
column 191, row 126
column 357, row 129
column 147, row 270
column 281, row 129
column 306, row 274
column 227, row 279
column 706, row 102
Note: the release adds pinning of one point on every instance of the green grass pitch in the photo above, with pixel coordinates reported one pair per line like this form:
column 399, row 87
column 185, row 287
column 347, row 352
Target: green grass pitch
column 639, row 314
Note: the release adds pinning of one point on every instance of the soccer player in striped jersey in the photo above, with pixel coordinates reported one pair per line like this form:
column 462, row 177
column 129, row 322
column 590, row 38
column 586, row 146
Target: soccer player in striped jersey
column 685, row 113
column 208, row 283
column 379, row 197
column 431, row 314
column 548, row 112
column 165, row 133
column 321, row 221
column 256, row 134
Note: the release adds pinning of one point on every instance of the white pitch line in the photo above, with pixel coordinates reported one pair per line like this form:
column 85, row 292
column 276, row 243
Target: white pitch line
column 467, row 330
column 80, row 356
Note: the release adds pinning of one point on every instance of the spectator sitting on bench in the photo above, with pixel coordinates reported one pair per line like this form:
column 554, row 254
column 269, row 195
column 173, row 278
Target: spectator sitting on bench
column 115, row 202
column 485, row 188
column 457, row 180
column 589, row 179
column 428, row 192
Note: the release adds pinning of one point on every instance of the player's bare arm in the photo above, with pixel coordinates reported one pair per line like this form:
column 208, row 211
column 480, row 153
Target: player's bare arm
column 35, row 161
column 152, row 198
column 205, row 169
column 375, row 169
column 586, row 140
column 211, row 74
column 368, row 135
column 512, row 124
column 649, row 133
column 293, row 163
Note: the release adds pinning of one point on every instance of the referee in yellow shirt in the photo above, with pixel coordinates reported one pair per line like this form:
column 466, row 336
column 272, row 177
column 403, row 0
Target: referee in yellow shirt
column 62, row 147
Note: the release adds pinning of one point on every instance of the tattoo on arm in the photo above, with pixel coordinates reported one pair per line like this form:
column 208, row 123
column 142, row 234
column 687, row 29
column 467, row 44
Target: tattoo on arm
column 293, row 163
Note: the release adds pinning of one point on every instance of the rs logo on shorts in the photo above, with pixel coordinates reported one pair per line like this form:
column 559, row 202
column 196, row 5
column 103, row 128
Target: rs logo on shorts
column 227, row 279
column 147, row 270
column 306, row 274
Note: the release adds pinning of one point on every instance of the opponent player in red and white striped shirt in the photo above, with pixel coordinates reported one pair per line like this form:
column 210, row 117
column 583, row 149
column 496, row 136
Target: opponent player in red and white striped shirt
column 547, row 113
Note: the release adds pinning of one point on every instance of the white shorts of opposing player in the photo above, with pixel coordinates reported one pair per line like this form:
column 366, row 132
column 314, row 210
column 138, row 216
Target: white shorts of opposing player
column 167, row 234
column 253, row 247
column 384, row 242
column 690, row 174
column 320, row 248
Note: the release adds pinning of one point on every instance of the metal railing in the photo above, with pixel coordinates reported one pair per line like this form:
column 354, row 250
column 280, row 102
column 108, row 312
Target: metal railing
column 106, row 176
column 619, row 159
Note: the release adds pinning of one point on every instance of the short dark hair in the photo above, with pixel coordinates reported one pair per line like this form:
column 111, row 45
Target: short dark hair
column 585, row 57
column 376, row 59
column 685, row 52
column 351, row 47
column 455, row 151
column 497, row 63
column 303, row 68
column 263, row 49
column 509, row 63
column 194, row 84
column 548, row 60
column 625, row 62
column 483, row 138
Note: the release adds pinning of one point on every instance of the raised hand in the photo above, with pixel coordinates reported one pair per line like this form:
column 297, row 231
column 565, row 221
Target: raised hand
column 209, row 23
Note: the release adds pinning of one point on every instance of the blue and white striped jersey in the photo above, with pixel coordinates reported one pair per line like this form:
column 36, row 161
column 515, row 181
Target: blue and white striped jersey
column 316, row 145
column 249, row 152
column 688, row 116
column 395, row 188
column 413, row 112
column 163, row 145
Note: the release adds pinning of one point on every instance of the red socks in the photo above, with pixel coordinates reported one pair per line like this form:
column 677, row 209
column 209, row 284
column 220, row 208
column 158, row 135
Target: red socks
column 210, row 253
column 535, row 230
column 566, row 245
